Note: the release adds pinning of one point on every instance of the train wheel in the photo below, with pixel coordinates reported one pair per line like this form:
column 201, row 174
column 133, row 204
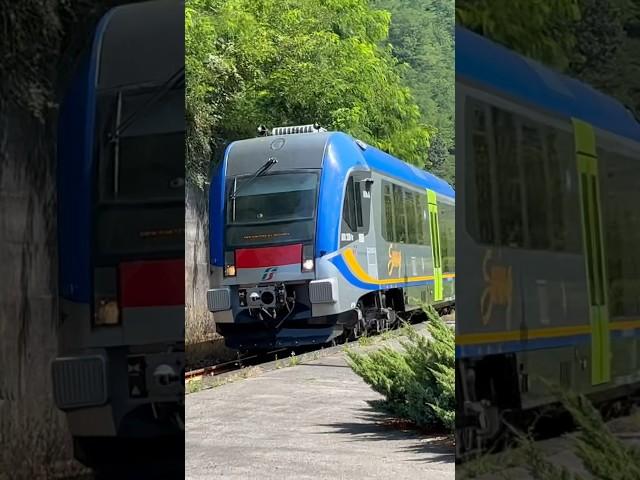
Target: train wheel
column 359, row 328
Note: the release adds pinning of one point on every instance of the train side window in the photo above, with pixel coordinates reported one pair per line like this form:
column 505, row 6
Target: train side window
column 349, row 208
column 510, row 198
column 480, row 203
column 405, row 215
column 388, row 227
column 536, row 186
column 399, row 214
column 356, row 210
column 412, row 220
column 620, row 198
column 521, row 181
column 358, row 203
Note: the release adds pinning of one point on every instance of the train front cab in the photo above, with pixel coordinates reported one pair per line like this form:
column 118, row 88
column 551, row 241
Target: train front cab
column 118, row 374
column 264, row 210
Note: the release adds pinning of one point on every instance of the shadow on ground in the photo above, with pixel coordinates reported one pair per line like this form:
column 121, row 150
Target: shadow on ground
column 377, row 426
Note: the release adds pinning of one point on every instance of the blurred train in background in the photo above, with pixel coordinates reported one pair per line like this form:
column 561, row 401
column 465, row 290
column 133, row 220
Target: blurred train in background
column 548, row 225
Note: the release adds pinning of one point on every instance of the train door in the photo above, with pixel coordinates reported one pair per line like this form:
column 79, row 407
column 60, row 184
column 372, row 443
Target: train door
column 434, row 229
column 591, row 212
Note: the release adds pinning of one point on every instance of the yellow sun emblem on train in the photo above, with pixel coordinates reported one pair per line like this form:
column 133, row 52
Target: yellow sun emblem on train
column 395, row 260
column 498, row 289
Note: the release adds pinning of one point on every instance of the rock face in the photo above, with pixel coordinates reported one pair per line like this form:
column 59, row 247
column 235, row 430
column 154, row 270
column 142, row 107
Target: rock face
column 28, row 291
column 199, row 324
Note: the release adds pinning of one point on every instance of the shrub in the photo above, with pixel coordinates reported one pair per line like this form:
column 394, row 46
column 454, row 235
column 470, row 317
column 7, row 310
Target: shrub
column 418, row 379
column 603, row 455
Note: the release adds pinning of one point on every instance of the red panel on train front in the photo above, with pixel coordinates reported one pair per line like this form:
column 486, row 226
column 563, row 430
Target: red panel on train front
column 157, row 283
column 268, row 256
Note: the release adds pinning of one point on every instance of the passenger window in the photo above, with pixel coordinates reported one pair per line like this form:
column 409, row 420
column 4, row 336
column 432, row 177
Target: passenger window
column 412, row 224
column 521, row 181
column 480, row 176
column 405, row 215
column 532, row 156
column 399, row 214
column 621, row 225
column 509, row 179
column 388, row 232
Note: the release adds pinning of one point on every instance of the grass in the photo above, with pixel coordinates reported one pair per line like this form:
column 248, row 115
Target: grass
column 293, row 360
column 199, row 328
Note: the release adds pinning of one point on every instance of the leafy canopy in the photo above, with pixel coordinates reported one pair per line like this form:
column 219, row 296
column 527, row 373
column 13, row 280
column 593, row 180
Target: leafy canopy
column 252, row 62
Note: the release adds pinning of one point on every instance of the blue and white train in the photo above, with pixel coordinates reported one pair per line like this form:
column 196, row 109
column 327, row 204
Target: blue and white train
column 315, row 235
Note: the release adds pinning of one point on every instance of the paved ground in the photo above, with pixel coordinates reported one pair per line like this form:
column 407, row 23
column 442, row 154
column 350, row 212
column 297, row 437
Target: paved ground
column 309, row 421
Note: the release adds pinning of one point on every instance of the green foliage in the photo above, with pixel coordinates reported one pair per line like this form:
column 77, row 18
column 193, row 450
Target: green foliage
column 609, row 39
column 417, row 381
column 422, row 39
column 595, row 41
column 540, row 29
column 252, row 62
column 603, row 454
column 35, row 36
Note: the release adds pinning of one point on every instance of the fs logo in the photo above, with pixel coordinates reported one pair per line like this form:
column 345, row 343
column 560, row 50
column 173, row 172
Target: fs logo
column 269, row 273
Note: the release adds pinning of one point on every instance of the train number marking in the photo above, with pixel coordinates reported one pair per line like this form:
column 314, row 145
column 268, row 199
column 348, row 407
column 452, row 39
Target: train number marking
column 346, row 237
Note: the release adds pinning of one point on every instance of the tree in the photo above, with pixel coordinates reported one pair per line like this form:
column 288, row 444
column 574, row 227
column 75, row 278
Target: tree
column 252, row 62
column 422, row 39
column 540, row 29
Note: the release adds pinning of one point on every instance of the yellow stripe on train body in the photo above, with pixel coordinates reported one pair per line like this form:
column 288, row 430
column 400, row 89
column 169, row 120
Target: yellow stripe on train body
column 515, row 335
column 359, row 272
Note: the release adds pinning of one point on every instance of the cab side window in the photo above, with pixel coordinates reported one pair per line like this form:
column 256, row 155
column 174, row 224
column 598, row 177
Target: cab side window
column 355, row 208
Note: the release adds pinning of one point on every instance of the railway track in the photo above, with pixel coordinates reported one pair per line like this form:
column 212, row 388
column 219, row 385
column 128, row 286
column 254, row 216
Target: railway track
column 251, row 360
column 236, row 364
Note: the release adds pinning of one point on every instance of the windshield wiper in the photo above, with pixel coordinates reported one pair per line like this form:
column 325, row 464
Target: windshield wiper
column 174, row 81
column 261, row 171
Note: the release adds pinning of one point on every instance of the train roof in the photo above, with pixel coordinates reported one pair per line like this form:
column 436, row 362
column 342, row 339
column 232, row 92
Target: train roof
column 482, row 61
column 385, row 163
column 309, row 150
column 132, row 51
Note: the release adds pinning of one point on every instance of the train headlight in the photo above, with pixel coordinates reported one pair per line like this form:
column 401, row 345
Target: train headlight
column 107, row 312
column 307, row 258
column 229, row 264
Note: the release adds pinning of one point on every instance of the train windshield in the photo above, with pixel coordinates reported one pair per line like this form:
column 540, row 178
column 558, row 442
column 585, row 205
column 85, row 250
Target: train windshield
column 140, row 206
column 272, row 207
